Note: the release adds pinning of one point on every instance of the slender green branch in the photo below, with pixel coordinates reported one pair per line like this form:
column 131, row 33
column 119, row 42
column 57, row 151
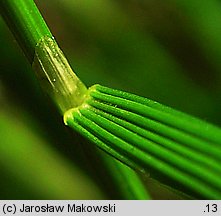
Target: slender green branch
column 49, row 63
column 26, row 23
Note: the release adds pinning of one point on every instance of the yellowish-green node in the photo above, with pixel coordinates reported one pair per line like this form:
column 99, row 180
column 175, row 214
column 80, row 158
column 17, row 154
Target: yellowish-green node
column 69, row 114
column 56, row 76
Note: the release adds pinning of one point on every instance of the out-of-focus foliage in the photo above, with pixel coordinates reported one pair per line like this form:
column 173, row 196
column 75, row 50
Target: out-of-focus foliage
column 32, row 167
column 166, row 50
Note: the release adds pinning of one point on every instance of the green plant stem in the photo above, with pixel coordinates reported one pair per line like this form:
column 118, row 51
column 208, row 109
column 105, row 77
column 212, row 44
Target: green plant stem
column 26, row 23
column 48, row 61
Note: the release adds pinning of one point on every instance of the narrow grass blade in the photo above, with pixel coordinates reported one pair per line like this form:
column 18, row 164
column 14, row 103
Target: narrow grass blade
column 175, row 148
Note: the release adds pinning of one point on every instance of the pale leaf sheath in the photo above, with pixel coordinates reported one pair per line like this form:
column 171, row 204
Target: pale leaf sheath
column 175, row 148
column 56, row 76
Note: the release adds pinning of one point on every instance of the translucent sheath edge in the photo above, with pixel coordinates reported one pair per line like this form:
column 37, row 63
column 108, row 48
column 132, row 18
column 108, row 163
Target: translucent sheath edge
column 56, row 76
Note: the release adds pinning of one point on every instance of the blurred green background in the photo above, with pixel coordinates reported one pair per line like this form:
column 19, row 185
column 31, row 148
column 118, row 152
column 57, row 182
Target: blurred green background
column 165, row 50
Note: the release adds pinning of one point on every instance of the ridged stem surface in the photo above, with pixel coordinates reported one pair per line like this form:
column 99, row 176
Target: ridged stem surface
column 175, row 148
